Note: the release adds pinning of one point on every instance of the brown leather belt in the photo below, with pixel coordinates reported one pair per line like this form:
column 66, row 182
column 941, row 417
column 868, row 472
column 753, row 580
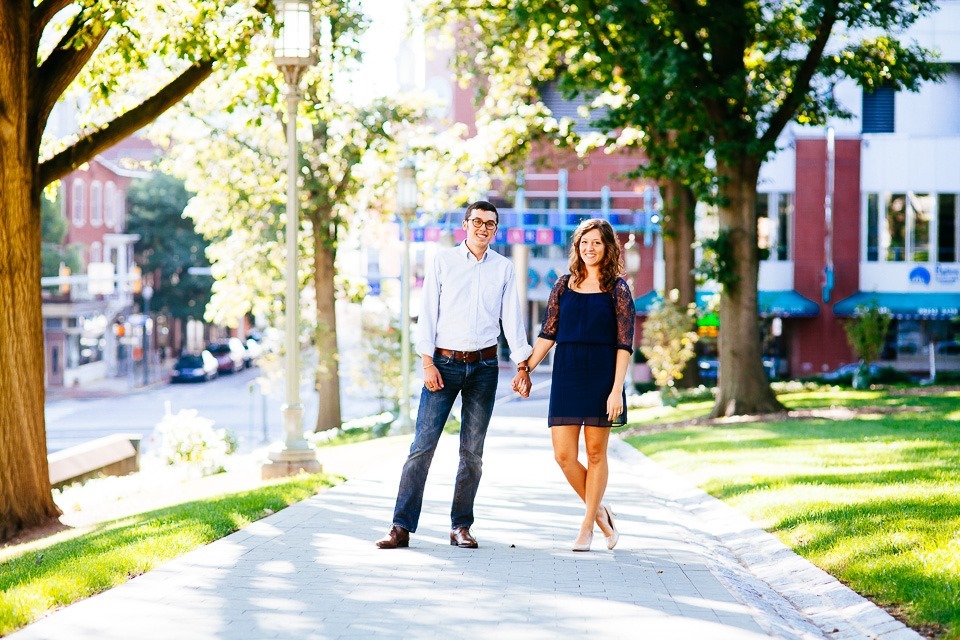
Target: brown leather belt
column 467, row 356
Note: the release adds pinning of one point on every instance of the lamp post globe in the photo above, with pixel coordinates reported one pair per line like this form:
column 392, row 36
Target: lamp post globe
column 293, row 55
column 407, row 196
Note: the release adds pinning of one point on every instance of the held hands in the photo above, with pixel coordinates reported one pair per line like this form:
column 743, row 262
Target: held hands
column 521, row 384
column 614, row 404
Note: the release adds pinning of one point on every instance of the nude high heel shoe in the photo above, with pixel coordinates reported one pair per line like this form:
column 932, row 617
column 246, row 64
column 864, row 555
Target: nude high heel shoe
column 584, row 546
column 613, row 538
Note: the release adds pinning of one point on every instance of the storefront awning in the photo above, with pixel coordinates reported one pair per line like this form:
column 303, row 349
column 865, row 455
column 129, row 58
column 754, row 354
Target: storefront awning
column 786, row 304
column 649, row 301
column 930, row 306
column 783, row 304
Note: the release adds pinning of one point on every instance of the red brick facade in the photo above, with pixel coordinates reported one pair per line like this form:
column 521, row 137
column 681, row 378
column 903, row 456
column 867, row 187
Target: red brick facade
column 819, row 344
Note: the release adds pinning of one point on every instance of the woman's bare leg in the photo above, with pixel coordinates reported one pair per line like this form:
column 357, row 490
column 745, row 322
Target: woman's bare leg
column 596, row 439
column 566, row 449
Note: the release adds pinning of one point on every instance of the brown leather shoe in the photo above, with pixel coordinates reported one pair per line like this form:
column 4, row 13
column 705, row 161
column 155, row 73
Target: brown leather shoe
column 396, row 537
column 460, row 537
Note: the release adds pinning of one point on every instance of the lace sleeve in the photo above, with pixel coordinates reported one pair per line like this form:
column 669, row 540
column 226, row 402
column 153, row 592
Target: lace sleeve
column 626, row 315
column 551, row 319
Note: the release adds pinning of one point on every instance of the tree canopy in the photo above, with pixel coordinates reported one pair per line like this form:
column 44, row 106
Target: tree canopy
column 719, row 78
column 168, row 245
column 128, row 63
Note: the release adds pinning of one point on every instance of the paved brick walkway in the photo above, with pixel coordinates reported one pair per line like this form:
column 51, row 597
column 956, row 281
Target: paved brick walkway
column 687, row 566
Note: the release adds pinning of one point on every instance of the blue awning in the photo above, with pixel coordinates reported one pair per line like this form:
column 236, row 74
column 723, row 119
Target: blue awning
column 649, row 301
column 645, row 303
column 786, row 304
column 930, row 306
column 783, row 304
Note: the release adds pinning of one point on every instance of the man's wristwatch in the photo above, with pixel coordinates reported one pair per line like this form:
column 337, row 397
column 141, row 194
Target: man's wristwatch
column 523, row 367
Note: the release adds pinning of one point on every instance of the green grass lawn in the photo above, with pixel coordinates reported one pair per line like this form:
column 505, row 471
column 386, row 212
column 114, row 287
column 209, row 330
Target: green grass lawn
column 71, row 567
column 870, row 492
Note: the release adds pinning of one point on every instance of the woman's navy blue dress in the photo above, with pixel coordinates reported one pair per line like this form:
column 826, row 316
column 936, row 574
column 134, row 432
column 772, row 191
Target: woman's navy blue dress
column 589, row 329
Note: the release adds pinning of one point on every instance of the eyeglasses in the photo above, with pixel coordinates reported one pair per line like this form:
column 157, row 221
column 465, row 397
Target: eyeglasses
column 489, row 224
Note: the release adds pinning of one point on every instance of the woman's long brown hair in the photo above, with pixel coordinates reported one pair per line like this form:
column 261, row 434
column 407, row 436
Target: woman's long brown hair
column 610, row 265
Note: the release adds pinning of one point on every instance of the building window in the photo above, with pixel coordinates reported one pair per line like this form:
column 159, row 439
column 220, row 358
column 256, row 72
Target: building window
column 120, row 210
column 895, row 233
column 774, row 224
column 77, row 211
column 914, row 227
column 947, row 228
column 62, row 197
column 764, row 232
column 96, row 203
column 878, row 110
column 784, row 226
column 873, row 227
column 110, row 205
column 561, row 107
column 585, row 204
column 921, row 206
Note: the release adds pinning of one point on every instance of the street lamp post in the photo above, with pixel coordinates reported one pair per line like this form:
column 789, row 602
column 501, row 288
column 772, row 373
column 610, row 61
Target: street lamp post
column 406, row 210
column 293, row 54
column 147, row 293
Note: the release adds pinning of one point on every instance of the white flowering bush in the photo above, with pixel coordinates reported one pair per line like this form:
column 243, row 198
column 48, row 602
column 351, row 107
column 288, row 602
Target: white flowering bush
column 668, row 343
column 188, row 439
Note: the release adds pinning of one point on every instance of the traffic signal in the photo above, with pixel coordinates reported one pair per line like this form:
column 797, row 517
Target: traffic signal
column 64, row 273
column 136, row 279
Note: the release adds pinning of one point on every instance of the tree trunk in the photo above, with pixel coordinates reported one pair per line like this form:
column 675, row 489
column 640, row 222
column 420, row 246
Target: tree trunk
column 25, row 497
column 328, row 361
column 678, row 237
column 680, row 209
column 743, row 387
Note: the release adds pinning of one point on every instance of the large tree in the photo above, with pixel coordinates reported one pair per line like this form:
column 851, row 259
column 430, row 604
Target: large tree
column 530, row 51
column 738, row 72
column 228, row 144
column 168, row 245
column 134, row 60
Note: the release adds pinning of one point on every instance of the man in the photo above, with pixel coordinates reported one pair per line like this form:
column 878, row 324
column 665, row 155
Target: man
column 467, row 293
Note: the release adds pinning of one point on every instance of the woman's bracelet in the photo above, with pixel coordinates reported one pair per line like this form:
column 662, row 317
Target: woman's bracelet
column 427, row 366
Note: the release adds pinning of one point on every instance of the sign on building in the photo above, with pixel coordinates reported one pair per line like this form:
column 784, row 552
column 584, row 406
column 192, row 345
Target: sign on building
column 101, row 278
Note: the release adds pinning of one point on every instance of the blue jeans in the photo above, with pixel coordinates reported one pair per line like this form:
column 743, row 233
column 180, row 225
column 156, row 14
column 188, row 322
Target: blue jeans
column 477, row 382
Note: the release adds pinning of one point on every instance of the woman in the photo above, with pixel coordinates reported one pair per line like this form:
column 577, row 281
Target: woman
column 590, row 318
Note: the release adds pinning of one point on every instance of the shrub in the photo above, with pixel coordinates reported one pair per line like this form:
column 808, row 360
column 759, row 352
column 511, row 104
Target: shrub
column 865, row 333
column 380, row 373
column 948, row 377
column 186, row 438
column 668, row 342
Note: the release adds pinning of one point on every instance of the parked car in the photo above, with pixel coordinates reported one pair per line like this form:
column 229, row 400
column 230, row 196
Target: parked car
column 194, row 367
column 229, row 357
column 254, row 350
column 951, row 348
column 710, row 369
column 844, row 373
column 879, row 373
column 237, row 346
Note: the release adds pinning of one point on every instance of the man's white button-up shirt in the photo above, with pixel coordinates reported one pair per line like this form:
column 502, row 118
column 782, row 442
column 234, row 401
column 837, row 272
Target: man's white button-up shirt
column 465, row 300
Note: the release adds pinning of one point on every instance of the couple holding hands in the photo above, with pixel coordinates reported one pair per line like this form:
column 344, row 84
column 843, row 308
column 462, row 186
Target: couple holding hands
column 467, row 293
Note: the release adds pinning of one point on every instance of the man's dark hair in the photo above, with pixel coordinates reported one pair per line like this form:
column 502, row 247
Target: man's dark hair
column 482, row 205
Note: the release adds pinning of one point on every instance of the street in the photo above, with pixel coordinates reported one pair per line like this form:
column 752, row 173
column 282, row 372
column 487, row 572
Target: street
column 233, row 402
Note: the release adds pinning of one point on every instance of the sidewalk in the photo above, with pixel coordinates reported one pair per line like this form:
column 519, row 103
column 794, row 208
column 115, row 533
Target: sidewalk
column 687, row 566
column 112, row 387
